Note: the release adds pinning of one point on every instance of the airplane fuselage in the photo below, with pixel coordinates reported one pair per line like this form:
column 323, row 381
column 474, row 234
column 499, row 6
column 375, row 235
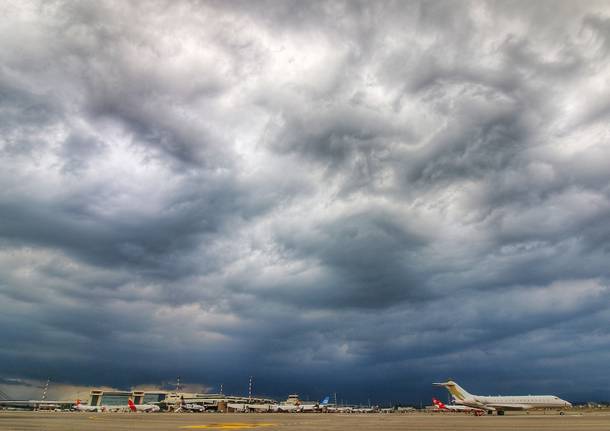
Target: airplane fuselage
column 523, row 402
column 501, row 403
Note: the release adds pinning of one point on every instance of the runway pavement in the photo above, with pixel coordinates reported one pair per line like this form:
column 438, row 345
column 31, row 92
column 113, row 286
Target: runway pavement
column 75, row 421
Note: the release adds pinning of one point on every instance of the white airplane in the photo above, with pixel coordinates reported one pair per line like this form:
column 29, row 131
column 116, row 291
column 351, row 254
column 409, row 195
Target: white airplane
column 365, row 409
column 459, row 408
column 500, row 404
column 300, row 408
column 87, row 408
column 130, row 406
column 263, row 408
column 405, row 409
column 188, row 407
column 148, row 408
column 243, row 407
column 325, row 405
column 309, row 407
column 294, row 404
column 343, row 409
column 288, row 408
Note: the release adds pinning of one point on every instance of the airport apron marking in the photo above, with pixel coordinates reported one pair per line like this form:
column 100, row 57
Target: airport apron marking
column 230, row 426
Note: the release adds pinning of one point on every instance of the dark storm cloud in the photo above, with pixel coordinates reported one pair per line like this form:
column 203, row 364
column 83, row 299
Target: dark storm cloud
column 401, row 192
column 122, row 239
column 367, row 261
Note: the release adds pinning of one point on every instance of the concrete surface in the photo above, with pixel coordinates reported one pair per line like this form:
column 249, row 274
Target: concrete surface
column 54, row 421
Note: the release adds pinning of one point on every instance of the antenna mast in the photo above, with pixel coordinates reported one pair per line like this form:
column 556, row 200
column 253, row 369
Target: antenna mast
column 45, row 390
column 250, row 388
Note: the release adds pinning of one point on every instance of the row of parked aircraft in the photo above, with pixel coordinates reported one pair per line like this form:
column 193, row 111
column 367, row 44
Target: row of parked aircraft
column 463, row 401
column 148, row 408
column 188, row 407
column 479, row 404
column 295, row 406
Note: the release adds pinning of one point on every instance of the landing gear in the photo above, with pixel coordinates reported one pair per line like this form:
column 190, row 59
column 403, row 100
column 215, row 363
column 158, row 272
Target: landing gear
column 500, row 412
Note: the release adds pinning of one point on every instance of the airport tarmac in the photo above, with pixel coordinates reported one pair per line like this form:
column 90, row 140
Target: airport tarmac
column 76, row 421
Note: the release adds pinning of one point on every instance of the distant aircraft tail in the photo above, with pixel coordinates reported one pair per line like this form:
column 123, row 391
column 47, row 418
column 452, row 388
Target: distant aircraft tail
column 132, row 406
column 325, row 400
column 439, row 404
column 455, row 390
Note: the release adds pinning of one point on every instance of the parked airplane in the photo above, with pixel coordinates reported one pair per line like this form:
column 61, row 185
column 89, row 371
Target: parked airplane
column 365, row 409
column 118, row 408
column 148, row 408
column 309, row 407
column 294, row 404
column 332, row 408
column 326, row 406
column 261, row 408
column 453, row 408
column 87, row 408
column 342, row 409
column 289, row 408
column 500, row 404
column 188, row 407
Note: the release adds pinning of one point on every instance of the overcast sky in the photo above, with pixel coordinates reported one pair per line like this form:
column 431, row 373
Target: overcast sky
column 350, row 197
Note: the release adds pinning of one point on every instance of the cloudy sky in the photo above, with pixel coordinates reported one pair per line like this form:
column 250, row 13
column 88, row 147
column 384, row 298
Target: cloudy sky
column 360, row 197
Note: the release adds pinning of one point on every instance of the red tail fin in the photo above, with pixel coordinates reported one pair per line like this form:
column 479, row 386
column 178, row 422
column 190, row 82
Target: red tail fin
column 438, row 404
column 132, row 406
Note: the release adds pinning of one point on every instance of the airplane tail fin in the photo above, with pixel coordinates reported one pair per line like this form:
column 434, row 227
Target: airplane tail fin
column 325, row 400
column 438, row 404
column 455, row 390
column 77, row 402
column 132, row 406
